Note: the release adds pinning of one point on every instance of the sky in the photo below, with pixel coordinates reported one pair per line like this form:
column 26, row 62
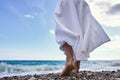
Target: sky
column 27, row 30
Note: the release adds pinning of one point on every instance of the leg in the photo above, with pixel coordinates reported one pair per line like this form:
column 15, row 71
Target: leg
column 68, row 52
column 69, row 60
column 77, row 67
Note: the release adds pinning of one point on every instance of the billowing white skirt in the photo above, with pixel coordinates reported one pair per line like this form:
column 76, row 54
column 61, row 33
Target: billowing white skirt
column 76, row 26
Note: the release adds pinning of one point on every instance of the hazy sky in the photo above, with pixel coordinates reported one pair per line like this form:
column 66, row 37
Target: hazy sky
column 27, row 29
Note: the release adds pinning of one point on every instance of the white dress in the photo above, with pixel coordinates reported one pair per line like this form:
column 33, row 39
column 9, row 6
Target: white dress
column 76, row 26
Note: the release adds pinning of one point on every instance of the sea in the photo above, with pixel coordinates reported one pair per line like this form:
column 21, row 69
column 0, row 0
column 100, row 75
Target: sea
column 31, row 67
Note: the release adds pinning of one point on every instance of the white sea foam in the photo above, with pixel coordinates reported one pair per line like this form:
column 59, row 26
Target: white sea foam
column 8, row 69
column 11, row 70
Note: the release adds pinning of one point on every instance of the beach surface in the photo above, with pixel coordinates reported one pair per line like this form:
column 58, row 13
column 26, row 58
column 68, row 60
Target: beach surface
column 82, row 75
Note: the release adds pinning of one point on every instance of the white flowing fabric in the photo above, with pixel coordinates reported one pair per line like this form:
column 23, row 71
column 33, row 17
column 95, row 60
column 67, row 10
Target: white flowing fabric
column 76, row 26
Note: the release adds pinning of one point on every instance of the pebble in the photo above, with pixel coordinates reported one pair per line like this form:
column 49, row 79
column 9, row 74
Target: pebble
column 83, row 75
column 117, row 78
column 51, row 79
column 33, row 78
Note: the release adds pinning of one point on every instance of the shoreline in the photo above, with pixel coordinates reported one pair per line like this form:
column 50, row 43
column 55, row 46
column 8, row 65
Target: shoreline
column 82, row 75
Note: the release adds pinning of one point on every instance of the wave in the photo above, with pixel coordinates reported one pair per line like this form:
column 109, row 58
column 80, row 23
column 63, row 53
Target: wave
column 8, row 68
column 112, row 65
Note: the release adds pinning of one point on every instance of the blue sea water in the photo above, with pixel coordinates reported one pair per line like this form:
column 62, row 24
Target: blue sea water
column 24, row 67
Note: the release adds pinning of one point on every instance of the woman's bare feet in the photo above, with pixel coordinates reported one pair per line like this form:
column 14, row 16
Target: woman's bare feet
column 68, row 68
column 71, row 67
column 69, row 60
column 77, row 67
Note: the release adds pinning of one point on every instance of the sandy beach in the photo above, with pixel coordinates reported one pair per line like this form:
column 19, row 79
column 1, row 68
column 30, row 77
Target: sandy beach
column 82, row 75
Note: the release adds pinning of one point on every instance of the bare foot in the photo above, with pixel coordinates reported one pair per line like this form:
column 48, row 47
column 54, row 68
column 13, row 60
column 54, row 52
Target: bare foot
column 77, row 66
column 68, row 68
